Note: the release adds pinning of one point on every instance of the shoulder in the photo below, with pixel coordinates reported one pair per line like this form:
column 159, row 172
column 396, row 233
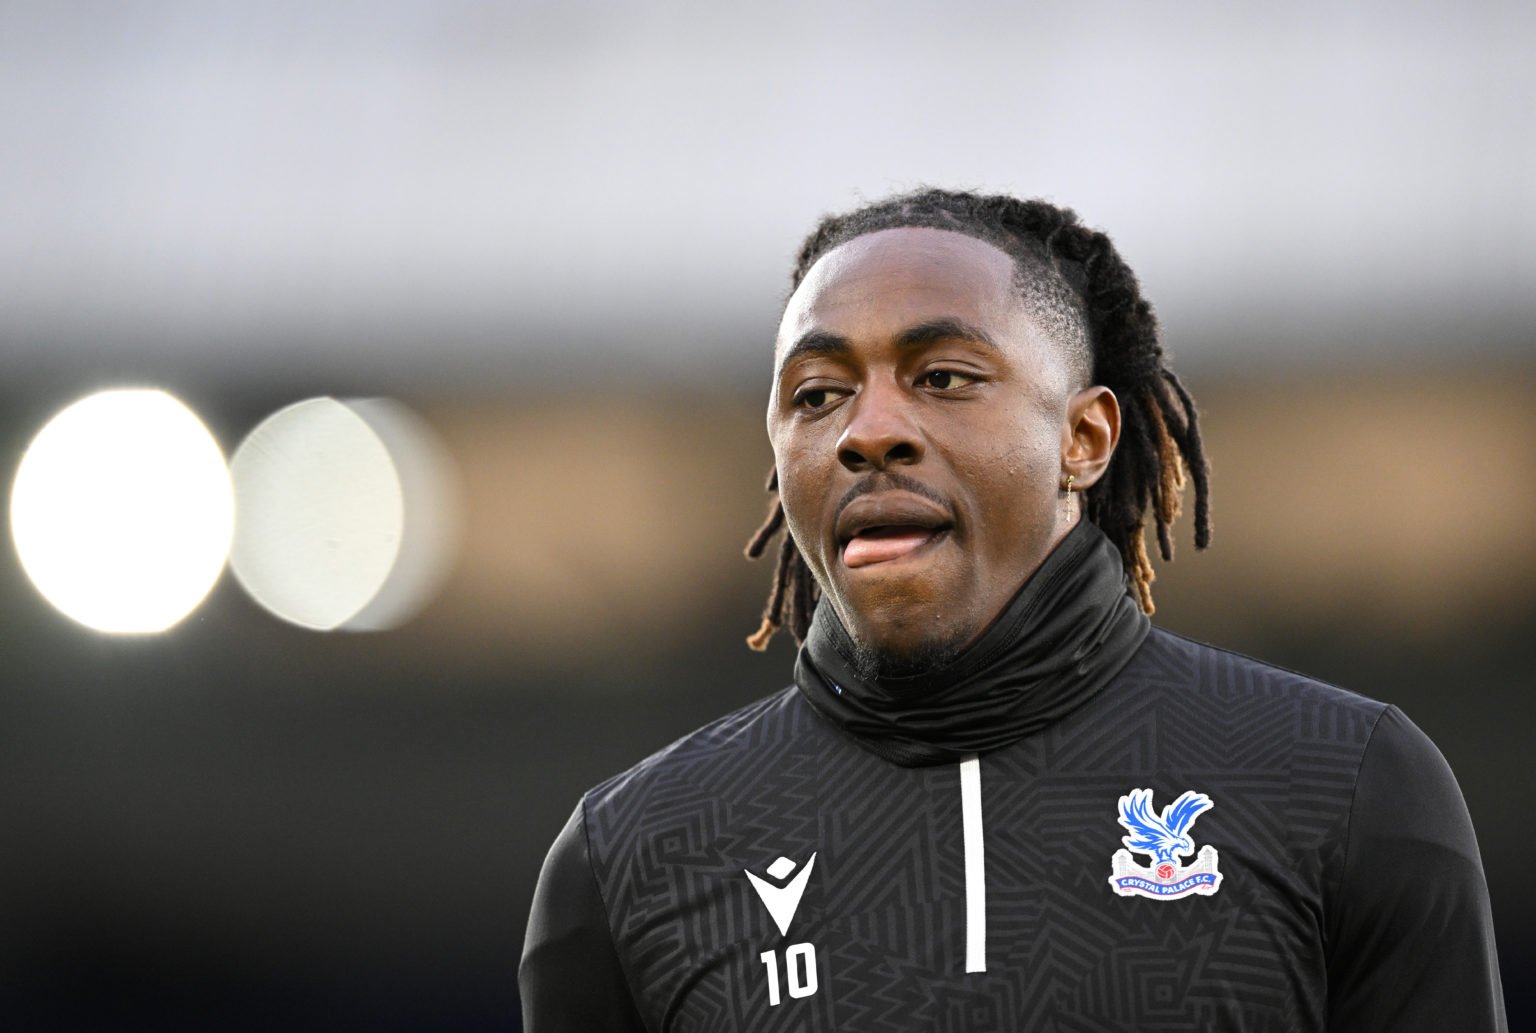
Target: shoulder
column 653, row 828
column 708, row 757
column 1405, row 784
column 1209, row 711
column 1376, row 768
column 1221, row 678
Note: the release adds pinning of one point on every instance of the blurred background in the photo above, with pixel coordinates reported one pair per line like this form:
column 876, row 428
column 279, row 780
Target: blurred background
column 557, row 237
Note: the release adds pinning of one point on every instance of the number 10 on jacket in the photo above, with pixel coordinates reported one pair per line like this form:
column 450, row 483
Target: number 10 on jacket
column 799, row 971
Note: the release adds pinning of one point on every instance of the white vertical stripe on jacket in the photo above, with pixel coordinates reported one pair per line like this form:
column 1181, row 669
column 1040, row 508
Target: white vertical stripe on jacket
column 975, row 865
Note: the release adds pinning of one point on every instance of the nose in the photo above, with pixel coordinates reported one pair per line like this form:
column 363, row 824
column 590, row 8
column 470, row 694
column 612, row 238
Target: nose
column 880, row 431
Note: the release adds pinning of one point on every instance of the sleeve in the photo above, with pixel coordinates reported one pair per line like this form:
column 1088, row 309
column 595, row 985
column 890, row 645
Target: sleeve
column 1410, row 933
column 570, row 977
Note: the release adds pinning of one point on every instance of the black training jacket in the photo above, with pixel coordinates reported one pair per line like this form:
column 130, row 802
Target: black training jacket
column 1203, row 842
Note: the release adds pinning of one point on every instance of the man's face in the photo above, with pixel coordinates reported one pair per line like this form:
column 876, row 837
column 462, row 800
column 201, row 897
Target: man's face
column 919, row 422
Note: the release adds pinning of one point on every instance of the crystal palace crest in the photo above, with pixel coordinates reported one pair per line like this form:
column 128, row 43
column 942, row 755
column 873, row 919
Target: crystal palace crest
column 1164, row 838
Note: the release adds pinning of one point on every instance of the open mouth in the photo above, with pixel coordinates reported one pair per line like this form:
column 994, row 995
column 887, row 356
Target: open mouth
column 882, row 544
column 887, row 526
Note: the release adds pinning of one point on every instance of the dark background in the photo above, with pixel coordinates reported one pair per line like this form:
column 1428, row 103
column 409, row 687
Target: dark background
column 562, row 238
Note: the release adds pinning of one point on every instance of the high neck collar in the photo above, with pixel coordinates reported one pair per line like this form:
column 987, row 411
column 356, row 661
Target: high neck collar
column 1063, row 636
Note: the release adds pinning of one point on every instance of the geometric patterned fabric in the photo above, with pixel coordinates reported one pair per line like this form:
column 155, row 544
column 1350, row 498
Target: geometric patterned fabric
column 1345, row 853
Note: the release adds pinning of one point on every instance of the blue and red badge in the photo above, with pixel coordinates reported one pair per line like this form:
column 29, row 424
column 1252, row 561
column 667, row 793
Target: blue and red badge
column 1165, row 838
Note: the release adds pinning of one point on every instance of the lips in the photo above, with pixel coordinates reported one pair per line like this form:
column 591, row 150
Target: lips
column 882, row 527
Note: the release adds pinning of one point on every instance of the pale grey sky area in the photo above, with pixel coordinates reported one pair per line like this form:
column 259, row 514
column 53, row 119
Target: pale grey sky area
column 458, row 188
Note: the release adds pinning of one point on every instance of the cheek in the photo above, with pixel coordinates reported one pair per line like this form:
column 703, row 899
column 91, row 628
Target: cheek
column 802, row 494
column 1014, row 482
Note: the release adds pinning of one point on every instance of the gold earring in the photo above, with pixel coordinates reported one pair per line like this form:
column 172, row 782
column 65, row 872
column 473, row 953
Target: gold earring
column 1066, row 502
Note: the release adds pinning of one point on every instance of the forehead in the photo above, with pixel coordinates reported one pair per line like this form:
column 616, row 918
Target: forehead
column 882, row 282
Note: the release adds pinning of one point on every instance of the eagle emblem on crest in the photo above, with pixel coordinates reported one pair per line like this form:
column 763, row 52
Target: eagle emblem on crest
column 1165, row 838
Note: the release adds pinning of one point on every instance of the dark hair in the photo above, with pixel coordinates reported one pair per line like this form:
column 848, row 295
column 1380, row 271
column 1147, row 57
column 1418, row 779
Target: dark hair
column 1078, row 287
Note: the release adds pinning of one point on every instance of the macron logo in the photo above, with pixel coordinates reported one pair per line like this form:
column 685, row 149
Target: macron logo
column 782, row 901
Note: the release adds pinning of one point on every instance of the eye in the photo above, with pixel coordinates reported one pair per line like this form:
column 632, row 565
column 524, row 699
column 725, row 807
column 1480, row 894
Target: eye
column 812, row 397
column 947, row 379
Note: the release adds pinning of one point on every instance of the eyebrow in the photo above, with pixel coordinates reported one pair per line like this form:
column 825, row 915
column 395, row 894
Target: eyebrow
column 820, row 342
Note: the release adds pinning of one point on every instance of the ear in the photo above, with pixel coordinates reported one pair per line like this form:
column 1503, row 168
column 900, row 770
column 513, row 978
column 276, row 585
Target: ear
column 1089, row 437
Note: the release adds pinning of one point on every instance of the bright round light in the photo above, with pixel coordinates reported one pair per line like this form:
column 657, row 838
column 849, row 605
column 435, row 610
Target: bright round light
column 341, row 508
column 122, row 511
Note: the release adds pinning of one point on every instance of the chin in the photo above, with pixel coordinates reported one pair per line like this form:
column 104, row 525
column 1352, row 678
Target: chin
column 873, row 663
column 908, row 624
column 902, row 615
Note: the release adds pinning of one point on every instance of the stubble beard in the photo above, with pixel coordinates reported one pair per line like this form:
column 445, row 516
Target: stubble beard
column 873, row 664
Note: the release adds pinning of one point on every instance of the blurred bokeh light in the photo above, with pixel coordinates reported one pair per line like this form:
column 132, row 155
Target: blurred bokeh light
column 121, row 511
column 345, row 514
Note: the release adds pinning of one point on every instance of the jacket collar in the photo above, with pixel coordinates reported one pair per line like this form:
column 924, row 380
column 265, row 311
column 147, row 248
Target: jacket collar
column 1070, row 629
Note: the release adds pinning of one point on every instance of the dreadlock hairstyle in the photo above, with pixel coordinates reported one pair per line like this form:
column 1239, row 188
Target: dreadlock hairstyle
column 1079, row 288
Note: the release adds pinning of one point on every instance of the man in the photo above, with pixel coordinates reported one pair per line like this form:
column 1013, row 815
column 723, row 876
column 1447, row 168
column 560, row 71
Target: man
column 997, row 798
